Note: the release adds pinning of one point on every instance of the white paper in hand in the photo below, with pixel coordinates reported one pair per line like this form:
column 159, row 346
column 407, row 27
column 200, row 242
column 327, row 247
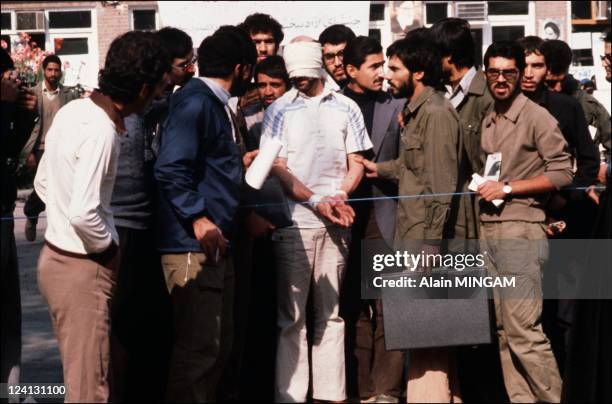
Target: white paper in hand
column 260, row 168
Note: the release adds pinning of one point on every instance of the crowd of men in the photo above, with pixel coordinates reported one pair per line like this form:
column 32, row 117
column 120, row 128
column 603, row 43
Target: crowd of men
column 168, row 278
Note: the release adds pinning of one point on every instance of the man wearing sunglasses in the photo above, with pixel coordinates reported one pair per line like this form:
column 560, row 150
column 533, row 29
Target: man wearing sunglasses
column 534, row 163
column 333, row 39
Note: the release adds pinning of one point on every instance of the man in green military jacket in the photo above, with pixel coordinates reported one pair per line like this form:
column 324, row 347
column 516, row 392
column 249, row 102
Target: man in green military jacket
column 427, row 164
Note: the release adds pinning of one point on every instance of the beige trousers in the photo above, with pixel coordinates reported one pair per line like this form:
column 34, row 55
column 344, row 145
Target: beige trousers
column 79, row 291
column 519, row 249
column 310, row 258
column 202, row 295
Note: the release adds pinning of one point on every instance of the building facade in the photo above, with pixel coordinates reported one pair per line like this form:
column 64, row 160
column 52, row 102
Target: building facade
column 80, row 32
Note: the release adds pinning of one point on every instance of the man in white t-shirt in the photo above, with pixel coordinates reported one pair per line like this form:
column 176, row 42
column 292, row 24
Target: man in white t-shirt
column 321, row 132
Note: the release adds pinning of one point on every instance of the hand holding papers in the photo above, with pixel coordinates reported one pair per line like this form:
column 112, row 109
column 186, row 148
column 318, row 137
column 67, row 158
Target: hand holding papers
column 260, row 168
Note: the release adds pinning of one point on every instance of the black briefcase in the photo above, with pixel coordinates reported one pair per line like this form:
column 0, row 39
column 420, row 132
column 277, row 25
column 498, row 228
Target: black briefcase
column 428, row 317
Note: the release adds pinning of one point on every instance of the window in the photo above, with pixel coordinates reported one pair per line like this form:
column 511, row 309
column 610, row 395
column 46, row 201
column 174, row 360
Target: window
column 31, row 21
column 375, row 33
column 434, row 12
column 144, row 20
column 71, row 46
column 38, row 39
column 7, row 23
column 581, row 10
column 508, row 7
column 377, row 12
column 582, row 57
column 477, row 35
column 69, row 19
column 509, row 33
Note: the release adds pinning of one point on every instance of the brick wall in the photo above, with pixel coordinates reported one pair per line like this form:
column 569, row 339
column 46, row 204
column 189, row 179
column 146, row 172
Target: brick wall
column 556, row 10
column 112, row 20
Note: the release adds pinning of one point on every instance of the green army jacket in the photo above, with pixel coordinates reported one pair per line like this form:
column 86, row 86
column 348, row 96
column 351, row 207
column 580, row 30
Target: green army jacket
column 597, row 116
column 427, row 164
column 472, row 110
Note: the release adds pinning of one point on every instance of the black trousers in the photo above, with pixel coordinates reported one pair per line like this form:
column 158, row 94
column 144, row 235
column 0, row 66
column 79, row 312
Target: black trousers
column 10, row 350
column 141, row 321
column 34, row 206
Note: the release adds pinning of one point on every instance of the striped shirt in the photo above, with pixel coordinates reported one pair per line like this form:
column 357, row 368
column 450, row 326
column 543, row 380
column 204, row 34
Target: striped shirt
column 317, row 134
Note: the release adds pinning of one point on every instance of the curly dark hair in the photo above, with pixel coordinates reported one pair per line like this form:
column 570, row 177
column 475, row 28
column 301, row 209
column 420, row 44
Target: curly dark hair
column 419, row 54
column 134, row 59
column 336, row 34
column 260, row 23
column 51, row 59
column 558, row 55
column 227, row 47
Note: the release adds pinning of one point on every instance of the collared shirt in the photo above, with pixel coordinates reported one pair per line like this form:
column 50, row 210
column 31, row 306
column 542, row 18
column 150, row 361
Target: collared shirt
column 531, row 144
column 224, row 96
column 76, row 175
column 50, row 94
column 456, row 96
column 317, row 134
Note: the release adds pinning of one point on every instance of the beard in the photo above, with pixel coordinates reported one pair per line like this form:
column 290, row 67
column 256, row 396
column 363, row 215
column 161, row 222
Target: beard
column 239, row 85
column 406, row 90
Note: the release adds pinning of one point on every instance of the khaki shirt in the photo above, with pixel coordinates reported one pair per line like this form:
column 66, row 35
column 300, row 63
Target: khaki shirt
column 597, row 116
column 476, row 104
column 427, row 164
column 531, row 144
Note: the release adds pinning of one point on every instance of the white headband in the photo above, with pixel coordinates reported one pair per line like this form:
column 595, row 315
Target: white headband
column 303, row 59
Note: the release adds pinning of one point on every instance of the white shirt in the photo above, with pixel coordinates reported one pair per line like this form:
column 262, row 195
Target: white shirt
column 457, row 95
column 50, row 94
column 224, row 96
column 76, row 176
column 317, row 134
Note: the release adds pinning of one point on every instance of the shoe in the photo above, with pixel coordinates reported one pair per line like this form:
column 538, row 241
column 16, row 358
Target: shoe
column 369, row 400
column 30, row 230
column 385, row 398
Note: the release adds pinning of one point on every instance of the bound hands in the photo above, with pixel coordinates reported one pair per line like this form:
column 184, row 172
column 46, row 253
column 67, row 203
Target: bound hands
column 335, row 209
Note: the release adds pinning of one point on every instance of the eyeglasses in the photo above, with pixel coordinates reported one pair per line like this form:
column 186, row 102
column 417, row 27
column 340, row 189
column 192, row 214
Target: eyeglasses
column 329, row 57
column 186, row 65
column 607, row 56
column 509, row 74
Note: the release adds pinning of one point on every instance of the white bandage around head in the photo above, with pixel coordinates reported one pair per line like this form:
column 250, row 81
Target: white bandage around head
column 303, row 59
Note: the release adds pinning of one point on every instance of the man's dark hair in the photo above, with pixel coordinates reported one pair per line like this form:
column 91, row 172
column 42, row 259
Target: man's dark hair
column 6, row 63
column 227, row 47
column 453, row 37
column 419, row 35
column 273, row 66
column 134, row 59
column 554, row 27
column 260, row 23
column 51, row 59
column 359, row 49
column 531, row 44
column 558, row 56
column 336, row 34
column 419, row 56
column 607, row 35
column 176, row 42
column 507, row 50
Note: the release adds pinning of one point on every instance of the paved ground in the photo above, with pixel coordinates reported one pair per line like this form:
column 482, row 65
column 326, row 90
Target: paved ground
column 40, row 356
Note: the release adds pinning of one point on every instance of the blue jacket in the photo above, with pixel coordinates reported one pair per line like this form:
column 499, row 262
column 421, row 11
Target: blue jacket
column 198, row 170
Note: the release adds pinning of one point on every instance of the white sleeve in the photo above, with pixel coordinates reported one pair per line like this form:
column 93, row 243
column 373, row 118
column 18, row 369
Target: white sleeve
column 40, row 180
column 273, row 127
column 357, row 138
column 94, row 157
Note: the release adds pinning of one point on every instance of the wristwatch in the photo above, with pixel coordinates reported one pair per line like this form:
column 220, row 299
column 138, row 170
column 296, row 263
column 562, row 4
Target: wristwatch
column 507, row 189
